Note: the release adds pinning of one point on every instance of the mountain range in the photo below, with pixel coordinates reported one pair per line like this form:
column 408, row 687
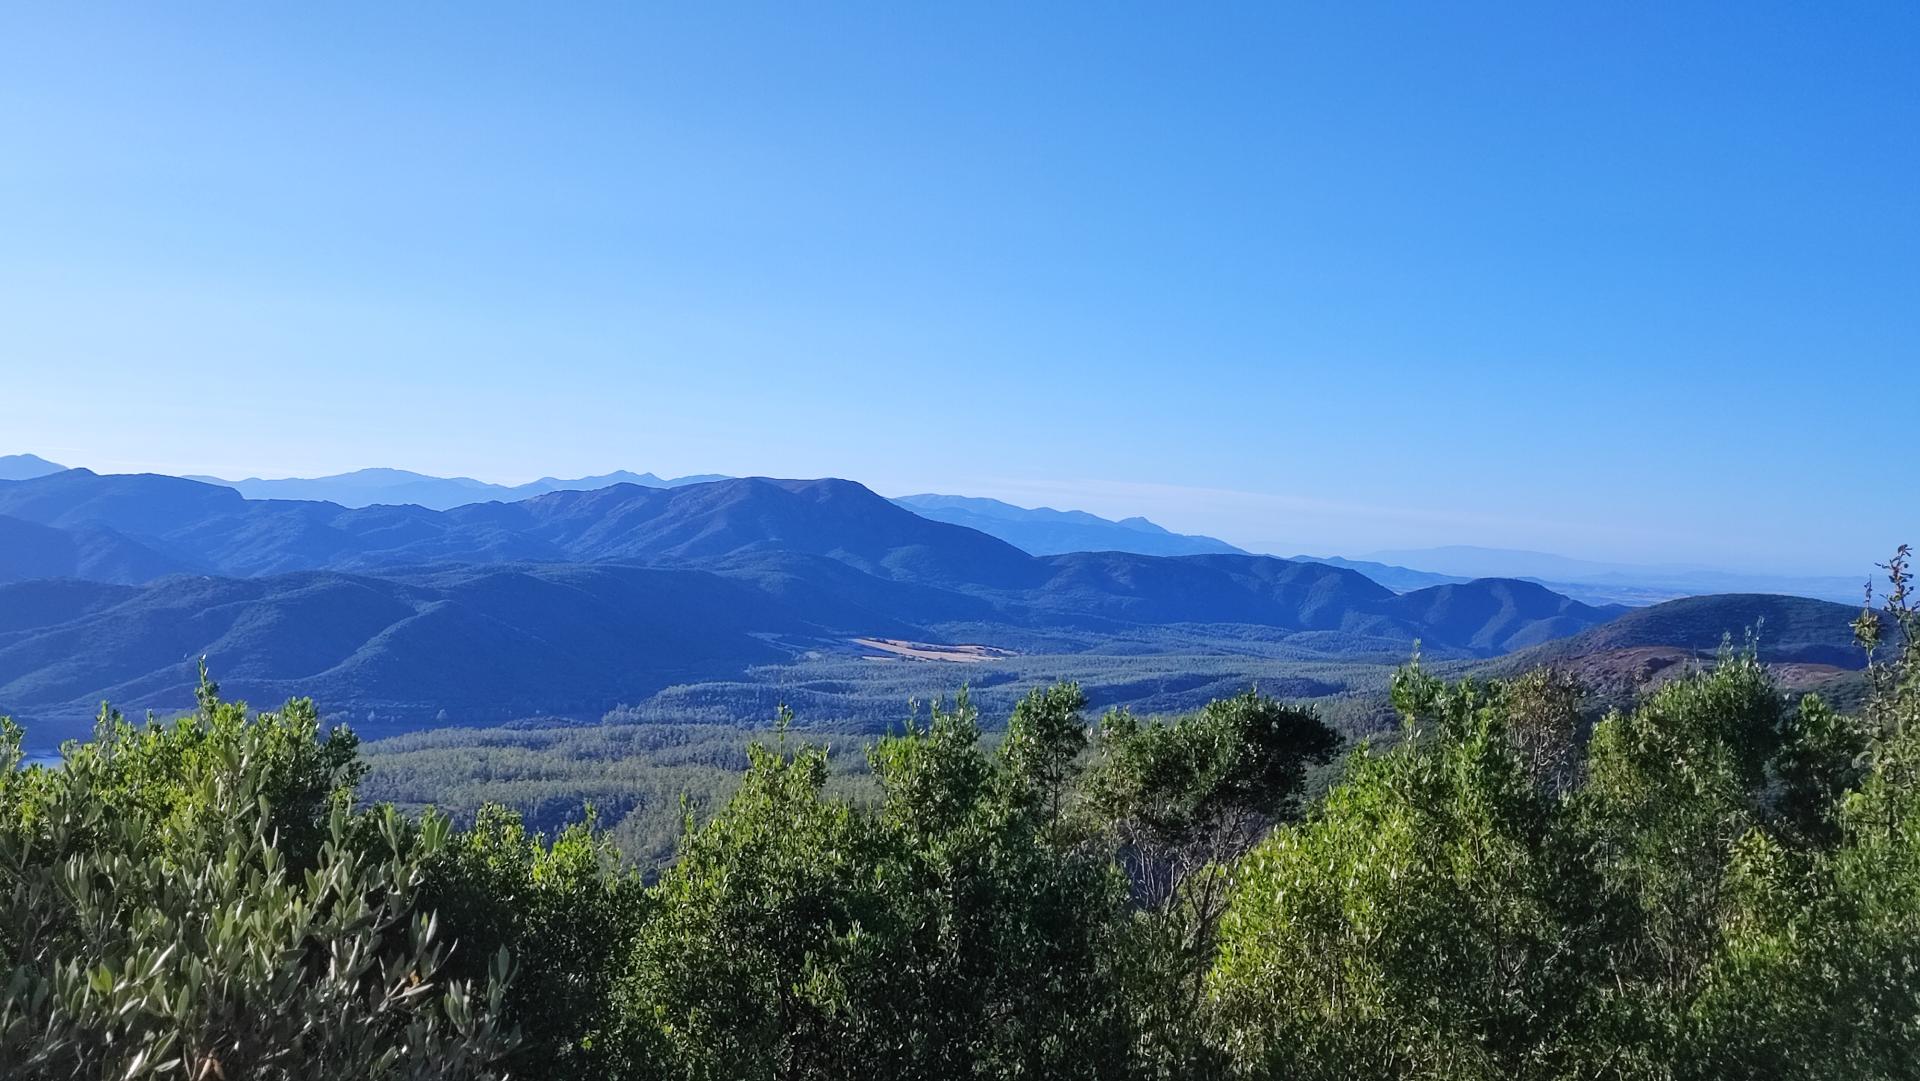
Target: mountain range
column 573, row 600
column 367, row 487
column 578, row 600
column 1599, row 582
column 1037, row 531
column 1044, row 531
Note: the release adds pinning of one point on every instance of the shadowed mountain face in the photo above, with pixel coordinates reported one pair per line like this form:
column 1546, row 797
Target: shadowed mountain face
column 573, row 602
column 1498, row 614
column 89, row 551
column 491, row 643
column 1045, row 531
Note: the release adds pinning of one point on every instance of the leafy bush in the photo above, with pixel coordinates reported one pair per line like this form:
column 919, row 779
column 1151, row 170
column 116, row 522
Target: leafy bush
column 196, row 901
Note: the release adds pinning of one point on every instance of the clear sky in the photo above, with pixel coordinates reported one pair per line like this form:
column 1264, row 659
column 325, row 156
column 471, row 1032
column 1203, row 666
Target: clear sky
column 1629, row 281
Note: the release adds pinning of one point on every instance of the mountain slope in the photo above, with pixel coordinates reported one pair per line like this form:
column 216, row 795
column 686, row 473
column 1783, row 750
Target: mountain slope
column 137, row 504
column 513, row 640
column 487, row 643
column 92, row 552
column 1497, row 614
column 1045, row 531
column 834, row 518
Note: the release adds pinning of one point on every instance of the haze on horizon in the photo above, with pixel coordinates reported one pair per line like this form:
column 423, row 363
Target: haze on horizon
column 1625, row 285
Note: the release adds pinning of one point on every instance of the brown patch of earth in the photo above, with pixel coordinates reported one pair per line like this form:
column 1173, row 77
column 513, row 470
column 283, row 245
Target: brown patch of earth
column 1642, row 668
column 1799, row 677
column 897, row 649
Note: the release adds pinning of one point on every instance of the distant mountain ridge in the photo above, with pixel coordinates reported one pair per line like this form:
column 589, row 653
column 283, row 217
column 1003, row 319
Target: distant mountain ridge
column 1044, row 531
column 1630, row 583
column 26, row 467
column 1036, row 531
column 1393, row 577
column 215, row 529
column 399, row 487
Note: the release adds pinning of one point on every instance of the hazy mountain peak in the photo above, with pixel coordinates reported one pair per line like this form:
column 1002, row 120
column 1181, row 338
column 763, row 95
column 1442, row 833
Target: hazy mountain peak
column 1046, row 531
column 1633, row 583
column 380, row 485
column 26, row 467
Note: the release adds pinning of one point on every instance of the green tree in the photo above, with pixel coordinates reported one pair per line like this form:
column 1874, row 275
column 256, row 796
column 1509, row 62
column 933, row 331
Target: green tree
column 1674, row 787
column 950, row 931
column 196, row 901
column 1045, row 735
column 1180, row 802
column 1418, row 924
column 1012, row 930
column 568, row 915
column 751, row 966
column 1818, row 974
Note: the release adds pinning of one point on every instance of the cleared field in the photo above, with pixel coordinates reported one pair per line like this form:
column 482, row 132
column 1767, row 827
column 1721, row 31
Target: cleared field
column 925, row 651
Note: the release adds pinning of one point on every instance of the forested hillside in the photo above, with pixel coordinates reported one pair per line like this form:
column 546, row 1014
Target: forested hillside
column 1720, row 881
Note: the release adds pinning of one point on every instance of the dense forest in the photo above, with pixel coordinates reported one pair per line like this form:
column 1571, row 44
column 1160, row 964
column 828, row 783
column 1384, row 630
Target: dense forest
column 1721, row 880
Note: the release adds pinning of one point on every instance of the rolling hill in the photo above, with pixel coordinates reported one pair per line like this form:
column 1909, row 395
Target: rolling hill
column 1796, row 629
column 1809, row 643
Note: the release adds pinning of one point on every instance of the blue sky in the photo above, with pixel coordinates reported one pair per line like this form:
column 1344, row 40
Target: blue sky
column 1630, row 282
